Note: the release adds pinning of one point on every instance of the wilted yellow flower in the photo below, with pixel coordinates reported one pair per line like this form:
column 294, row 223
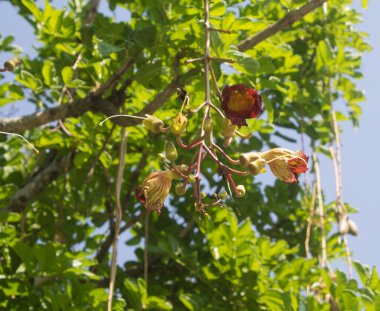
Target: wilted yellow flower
column 286, row 164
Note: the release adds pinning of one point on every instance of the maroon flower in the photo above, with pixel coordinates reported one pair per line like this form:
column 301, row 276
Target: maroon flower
column 240, row 103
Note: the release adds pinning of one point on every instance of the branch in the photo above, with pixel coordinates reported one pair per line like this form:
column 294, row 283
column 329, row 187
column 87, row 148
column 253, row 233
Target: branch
column 283, row 23
column 38, row 183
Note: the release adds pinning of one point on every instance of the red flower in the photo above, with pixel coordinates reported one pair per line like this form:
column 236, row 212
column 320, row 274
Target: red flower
column 240, row 103
column 286, row 164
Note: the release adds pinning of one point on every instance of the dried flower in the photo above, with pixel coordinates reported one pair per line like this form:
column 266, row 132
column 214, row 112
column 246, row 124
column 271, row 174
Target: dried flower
column 240, row 103
column 154, row 190
column 286, row 164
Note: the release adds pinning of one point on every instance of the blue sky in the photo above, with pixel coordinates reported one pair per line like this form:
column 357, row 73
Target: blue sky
column 359, row 146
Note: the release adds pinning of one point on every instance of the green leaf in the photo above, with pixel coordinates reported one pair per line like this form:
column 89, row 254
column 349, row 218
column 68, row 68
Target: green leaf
column 67, row 74
column 363, row 271
column 33, row 8
column 218, row 9
column 48, row 71
column 9, row 217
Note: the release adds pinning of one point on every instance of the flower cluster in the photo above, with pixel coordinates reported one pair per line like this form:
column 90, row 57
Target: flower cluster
column 239, row 103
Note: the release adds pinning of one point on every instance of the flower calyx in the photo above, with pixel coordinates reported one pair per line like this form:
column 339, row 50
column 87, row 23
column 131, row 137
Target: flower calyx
column 153, row 124
column 179, row 124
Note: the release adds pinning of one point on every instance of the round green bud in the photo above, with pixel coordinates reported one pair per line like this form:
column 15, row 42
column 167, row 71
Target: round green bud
column 180, row 189
column 223, row 195
column 240, row 191
column 171, row 151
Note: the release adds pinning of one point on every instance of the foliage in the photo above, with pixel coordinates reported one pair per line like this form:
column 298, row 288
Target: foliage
column 56, row 236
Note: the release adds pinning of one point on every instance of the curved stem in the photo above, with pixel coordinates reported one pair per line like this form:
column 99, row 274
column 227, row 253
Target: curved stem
column 23, row 138
column 121, row 115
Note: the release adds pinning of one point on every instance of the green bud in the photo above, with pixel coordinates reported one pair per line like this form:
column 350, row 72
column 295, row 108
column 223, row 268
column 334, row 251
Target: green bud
column 179, row 124
column 228, row 129
column 223, row 195
column 240, row 191
column 191, row 179
column 180, row 189
column 171, row 151
column 208, row 125
column 203, row 195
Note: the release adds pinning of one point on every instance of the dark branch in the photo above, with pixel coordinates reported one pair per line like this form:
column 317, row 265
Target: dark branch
column 283, row 23
column 39, row 182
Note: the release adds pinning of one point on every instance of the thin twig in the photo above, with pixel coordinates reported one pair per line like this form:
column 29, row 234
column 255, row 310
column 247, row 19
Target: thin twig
column 146, row 243
column 309, row 221
column 93, row 164
column 320, row 210
column 118, row 214
column 23, row 138
column 348, row 255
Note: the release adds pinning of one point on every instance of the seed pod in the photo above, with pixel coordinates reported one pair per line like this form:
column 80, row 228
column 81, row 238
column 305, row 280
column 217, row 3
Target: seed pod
column 171, row 151
column 179, row 124
column 180, row 189
column 240, row 191
column 208, row 125
column 343, row 226
column 257, row 167
column 352, row 228
column 153, row 124
column 245, row 158
column 12, row 64
column 223, row 195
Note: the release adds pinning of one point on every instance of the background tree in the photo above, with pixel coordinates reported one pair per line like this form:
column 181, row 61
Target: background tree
column 58, row 207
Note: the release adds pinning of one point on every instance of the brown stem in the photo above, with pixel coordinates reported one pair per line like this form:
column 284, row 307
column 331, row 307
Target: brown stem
column 320, row 210
column 283, row 23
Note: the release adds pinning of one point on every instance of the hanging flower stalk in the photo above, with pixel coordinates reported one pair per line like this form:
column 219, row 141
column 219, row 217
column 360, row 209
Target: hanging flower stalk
column 239, row 103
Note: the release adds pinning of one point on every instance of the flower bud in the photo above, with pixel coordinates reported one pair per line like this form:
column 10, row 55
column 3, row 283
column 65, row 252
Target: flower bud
column 240, row 191
column 179, row 124
column 203, row 195
column 223, row 195
column 228, row 129
column 12, row 64
column 352, row 228
column 153, row 124
column 191, row 179
column 257, row 167
column 171, row 151
column 208, row 125
column 180, row 189
column 245, row 158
